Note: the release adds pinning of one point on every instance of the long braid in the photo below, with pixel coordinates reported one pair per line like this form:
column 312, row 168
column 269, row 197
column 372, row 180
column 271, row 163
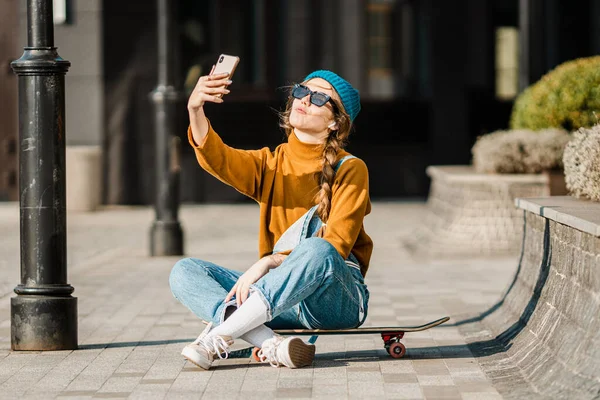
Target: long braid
column 330, row 151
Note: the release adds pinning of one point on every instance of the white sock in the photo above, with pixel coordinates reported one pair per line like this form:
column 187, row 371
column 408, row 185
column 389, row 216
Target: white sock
column 258, row 335
column 251, row 314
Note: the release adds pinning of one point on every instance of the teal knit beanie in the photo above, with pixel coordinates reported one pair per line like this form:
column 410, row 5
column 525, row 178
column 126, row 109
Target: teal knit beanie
column 349, row 96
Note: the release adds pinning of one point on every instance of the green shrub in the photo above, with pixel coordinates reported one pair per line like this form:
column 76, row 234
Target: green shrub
column 567, row 97
column 519, row 151
column 582, row 163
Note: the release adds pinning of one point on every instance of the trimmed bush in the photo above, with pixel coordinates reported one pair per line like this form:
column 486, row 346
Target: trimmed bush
column 582, row 163
column 567, row 97
column 519, row 151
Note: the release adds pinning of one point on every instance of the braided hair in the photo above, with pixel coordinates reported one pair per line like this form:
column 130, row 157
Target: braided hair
column 336, row 140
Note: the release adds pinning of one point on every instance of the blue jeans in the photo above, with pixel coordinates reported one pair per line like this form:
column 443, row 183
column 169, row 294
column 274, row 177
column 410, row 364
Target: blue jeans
column 312, row 288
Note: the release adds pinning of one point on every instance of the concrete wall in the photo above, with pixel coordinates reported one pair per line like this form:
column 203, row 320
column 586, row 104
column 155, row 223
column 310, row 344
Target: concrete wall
column 80, row 42
column 546, row 329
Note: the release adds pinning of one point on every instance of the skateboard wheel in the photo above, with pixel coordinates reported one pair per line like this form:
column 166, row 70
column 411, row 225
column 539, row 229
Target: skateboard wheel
column 397, row 350
column 255, row 354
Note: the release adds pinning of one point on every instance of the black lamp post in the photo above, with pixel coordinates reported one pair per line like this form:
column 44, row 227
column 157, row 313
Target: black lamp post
column 43, row 314
column 166, row 235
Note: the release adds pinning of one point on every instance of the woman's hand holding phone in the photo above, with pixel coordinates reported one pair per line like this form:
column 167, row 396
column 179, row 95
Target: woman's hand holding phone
column 210, row 88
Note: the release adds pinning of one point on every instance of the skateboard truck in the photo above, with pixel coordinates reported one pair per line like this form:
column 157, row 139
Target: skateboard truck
column 391, row 341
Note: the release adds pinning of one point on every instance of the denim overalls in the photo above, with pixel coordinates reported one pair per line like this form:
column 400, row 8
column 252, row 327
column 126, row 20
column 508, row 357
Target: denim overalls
column 314, row 287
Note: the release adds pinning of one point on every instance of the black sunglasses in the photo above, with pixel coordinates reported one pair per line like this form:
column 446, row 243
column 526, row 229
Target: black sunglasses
column 319, row 99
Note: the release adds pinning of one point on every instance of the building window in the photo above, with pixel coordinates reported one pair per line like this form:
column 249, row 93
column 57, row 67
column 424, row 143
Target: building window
column 507, row 62
column 379, row 66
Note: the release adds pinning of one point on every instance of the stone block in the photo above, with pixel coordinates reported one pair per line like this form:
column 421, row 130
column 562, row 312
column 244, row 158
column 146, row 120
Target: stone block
column 84, row 177
column 473, row 213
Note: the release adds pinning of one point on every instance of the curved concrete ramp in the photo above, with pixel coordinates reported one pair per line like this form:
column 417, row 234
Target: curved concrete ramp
column 545, row 332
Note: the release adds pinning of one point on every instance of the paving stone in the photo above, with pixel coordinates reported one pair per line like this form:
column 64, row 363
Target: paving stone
column 77, row 393
column 481, row 396
column 400, row 378
column 403, row 390
column 293, row 393
column 365, row 376
column 294, row 383
column 120, row 384
column 185, row 395
column 257, row 395
column 430, row 367
column 13, row 363
column 151, row 391
column 441, row 392
column 259, row 385
column 435, row 380
column 397, row 366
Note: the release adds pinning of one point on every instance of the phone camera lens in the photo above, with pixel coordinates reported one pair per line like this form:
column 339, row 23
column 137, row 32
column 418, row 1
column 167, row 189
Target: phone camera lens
column 221, row 59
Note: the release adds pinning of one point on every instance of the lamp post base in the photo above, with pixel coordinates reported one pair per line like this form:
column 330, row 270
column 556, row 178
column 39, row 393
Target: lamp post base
column 40, row 323
column 166, row 239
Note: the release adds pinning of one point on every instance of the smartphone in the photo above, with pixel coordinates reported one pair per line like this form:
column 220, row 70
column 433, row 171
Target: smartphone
column 227, row 64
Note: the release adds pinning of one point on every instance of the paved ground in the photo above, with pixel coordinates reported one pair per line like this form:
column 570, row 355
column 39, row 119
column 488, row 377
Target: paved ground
column 131, row 330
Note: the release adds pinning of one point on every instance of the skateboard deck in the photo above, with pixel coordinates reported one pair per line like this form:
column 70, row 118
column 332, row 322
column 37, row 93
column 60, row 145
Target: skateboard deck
column 364, row 330
column 391, row 336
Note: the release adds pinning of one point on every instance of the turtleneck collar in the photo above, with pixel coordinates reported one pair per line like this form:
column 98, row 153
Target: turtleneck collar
column 305, row 152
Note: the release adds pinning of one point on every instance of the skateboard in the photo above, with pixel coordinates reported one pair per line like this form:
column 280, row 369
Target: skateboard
column 391, row 336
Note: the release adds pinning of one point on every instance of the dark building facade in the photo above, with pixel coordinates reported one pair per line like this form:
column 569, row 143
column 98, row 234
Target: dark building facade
column 433, row 75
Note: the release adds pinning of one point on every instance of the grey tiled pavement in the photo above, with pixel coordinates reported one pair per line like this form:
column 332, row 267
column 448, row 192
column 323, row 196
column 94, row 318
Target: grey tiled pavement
column 131, row 330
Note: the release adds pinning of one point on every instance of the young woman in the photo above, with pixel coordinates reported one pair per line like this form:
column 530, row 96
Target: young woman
column 313, row 248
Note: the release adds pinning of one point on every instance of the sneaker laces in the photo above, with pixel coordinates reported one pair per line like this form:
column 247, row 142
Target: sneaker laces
column 213, row 344
column 268, row 352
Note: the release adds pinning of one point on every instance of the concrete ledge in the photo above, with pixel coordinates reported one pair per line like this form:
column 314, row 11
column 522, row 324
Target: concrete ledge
column 466, row 173
column 575, row 213
column 546, row 328
column 474, row 214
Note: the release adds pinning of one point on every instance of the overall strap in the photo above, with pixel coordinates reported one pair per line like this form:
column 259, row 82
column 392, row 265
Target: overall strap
column 339, row 164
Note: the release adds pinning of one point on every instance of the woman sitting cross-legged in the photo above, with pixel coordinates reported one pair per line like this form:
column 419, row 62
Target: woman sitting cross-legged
column 314, row 251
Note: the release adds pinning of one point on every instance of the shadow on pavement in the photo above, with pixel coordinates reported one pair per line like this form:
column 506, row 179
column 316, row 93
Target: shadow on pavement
column 503, row 341
column 496, row 306
column 132, row 344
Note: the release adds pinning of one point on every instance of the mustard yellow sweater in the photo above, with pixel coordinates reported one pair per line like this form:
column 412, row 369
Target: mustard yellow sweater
column 284, row 183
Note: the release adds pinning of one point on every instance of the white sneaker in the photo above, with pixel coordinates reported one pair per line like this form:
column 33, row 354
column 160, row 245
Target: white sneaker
column 205, row 349
column 292, row 352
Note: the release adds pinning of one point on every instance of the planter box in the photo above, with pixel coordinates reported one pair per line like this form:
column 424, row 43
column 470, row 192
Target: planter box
column 474, row 214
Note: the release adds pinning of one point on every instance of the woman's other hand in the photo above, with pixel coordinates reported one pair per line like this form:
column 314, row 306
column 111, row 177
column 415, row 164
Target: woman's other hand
column 241, row 289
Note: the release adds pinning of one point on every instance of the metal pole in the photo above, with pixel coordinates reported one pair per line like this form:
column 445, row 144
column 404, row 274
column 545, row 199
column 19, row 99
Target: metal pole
column 533, row 47
column 43, row 314
column 524, row 37
column 166, row 235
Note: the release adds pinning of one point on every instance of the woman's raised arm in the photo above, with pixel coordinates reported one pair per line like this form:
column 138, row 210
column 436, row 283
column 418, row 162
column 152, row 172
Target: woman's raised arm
column 241, row 169
column 209, row 88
